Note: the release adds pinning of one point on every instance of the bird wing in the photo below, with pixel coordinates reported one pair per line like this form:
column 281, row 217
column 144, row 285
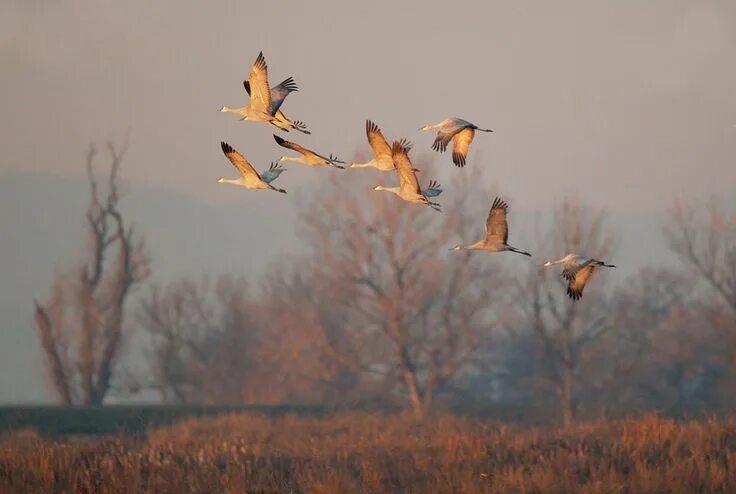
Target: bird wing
column 573, row 266
column 376, row 140
column 578, row 280
column 280, row 92
column 272, row 173
column 290, row 145
column 460, row 145
column 497, row 229
column 239, row 161
column 407, row 176
column 442, row 140
column 433, row 189
column 260, row 93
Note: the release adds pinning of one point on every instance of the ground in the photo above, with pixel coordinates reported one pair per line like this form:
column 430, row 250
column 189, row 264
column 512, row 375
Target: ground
column 375, row 453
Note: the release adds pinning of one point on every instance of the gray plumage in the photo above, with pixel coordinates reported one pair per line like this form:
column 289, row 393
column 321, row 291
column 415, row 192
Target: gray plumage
column 433, row 189
column 497, row 232
column 457, row 130
column 272, row 173
column 577, row 271
column 278, row 95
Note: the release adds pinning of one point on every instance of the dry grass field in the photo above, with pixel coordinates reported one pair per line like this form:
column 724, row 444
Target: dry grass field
column 371, row 453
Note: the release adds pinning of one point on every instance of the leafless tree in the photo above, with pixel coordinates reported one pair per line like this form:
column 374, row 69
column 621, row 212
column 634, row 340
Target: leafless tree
column 705, row 239
column 81, row 328
column 412, row 311
column 565, row 329
column 200, row 340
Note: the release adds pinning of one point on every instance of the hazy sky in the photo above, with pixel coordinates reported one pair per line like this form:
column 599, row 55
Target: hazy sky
column 626, row 104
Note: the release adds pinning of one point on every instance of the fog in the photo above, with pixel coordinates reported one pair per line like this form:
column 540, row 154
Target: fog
column 628, row 106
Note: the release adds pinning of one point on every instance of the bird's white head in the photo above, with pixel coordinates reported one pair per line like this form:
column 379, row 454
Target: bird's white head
column 457, row 247
column 224, row 109
column 378, row 187
column 547, row 264
column 220, row 180
column 424, row 127
column 283, row 158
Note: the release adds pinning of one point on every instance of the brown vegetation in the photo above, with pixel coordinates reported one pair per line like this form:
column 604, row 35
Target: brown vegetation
column 359, row 453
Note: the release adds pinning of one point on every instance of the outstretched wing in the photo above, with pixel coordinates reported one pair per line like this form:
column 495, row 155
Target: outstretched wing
column 376, row 140
column 260, row 93
column 290, row 145
column 433, row 189
column 576, row 282
column 407, row 176
column 443, row 139
column 497, row 230
column 272, row 173
column 239, row 161
column 280, row 92
column 574, row 265
column 460, row 145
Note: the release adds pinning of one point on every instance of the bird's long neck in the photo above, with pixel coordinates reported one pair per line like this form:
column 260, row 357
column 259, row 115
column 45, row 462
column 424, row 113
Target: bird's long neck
column 395, row 190
column 227, row 109
column 435, row 126
column 476, row 246
column 362, row 165
column 236, row 181
column 298, row 159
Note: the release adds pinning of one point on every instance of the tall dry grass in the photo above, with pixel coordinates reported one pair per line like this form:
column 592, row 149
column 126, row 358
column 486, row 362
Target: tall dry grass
column 362, row 453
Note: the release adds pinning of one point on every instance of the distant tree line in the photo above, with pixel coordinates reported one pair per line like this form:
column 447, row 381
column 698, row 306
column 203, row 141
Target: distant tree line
column 377, row 313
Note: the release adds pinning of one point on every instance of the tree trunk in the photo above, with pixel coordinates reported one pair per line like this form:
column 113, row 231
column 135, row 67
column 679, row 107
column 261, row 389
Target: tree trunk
column 567, row 400
column 412, row 386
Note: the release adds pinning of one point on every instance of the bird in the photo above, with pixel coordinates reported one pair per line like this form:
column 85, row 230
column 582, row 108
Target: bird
column 408, row 188
column 307, row 157
column 460, row 131
column 497, row 232
column 278, row 95
column 249, row 177
column 577, row 271
column 433, row 189
column 382, row 157
column 258, row 108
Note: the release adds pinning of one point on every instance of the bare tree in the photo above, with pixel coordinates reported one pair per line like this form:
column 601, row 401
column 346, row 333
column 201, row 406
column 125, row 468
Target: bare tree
column 565, row 329
column 705, row 240
column 414, row 312
column 201, row 341
column 81, row 328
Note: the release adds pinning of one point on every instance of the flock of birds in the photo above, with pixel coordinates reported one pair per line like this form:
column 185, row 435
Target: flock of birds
column 265, row 105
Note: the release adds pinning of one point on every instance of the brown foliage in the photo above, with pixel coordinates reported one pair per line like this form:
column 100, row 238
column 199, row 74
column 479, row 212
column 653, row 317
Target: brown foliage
column 383, row 298
column 362, row 453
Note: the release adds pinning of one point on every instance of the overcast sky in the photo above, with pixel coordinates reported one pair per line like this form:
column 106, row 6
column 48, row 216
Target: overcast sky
column 625, row 104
